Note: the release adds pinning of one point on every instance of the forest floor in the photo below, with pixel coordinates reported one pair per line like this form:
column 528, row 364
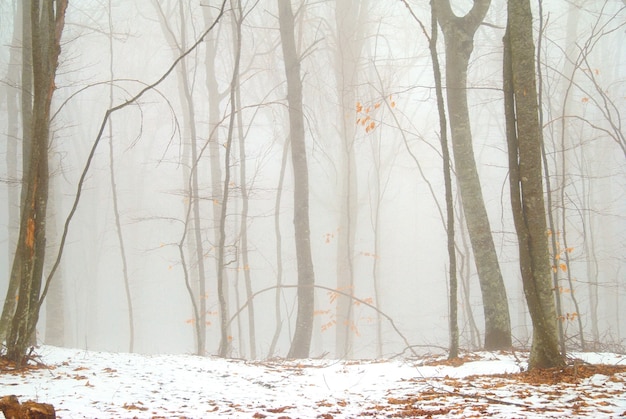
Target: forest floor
column 84, row 384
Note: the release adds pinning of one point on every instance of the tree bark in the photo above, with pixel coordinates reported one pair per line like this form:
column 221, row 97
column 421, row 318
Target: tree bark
column 47, row 20
column 214, row 97
column 301, row 343
column 524, row 147
column 225, row 346
column 459, row 38
column 447, row 175
column 279, row 250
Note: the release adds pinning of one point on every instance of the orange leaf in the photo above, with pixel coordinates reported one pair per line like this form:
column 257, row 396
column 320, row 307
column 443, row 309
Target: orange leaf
column 563, row 267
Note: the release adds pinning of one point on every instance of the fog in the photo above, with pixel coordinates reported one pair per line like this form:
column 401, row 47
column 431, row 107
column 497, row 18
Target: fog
column 114, row 49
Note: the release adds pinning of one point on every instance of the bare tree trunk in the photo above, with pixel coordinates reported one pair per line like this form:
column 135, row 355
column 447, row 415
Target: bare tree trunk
column 589, row 238
column 301, row 343
column 349, row 26
column 214, row 97
column 572, row 22
column 465, row 273
column 190, row 176
column 47, row 21
column 375, row 220
column 13, row 100
column 243, row 232
column 116, row 212
column 459, row 35
column 279, row 250
column 524, row 146
column 447, row 175
column 225, row 346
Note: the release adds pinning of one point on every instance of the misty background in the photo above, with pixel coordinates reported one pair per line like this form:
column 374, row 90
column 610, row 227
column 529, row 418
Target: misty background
column 113, row 49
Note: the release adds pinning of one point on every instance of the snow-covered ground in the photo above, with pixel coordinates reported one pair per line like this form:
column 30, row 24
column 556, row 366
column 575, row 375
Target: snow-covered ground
column 83, row 384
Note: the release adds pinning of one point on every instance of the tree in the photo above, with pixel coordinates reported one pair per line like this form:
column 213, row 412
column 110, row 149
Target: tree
column 214, row 146
column 525, row 178
column 301, row 342
column 47, row 19
column 116, row 211
column 244, row 264
column 225, row 339
column 447, row 175
column 349, row 21
column 195, row 276
column 459, row 43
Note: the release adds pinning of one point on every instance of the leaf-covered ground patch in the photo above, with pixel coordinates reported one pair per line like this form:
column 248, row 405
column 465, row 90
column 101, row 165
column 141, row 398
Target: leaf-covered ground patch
column 484, row 384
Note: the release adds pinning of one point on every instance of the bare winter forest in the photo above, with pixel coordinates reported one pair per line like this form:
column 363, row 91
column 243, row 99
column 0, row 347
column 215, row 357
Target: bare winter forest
column 338, row 179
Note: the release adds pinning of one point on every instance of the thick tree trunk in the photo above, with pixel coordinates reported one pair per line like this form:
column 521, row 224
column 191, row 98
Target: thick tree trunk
column 301, row 342
column 47, row 23
column 524, row 144
column 459, row 35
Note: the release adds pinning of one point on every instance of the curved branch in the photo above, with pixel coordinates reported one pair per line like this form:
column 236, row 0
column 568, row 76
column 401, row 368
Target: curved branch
column 352, row 297
column 92, row 153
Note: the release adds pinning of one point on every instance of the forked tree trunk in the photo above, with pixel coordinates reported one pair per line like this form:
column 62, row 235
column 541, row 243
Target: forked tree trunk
column 47, row 20
column 459, row 42
column 524, row 147
column 301, row 343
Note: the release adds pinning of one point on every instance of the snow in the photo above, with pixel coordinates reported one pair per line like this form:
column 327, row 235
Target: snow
column 84, row 384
